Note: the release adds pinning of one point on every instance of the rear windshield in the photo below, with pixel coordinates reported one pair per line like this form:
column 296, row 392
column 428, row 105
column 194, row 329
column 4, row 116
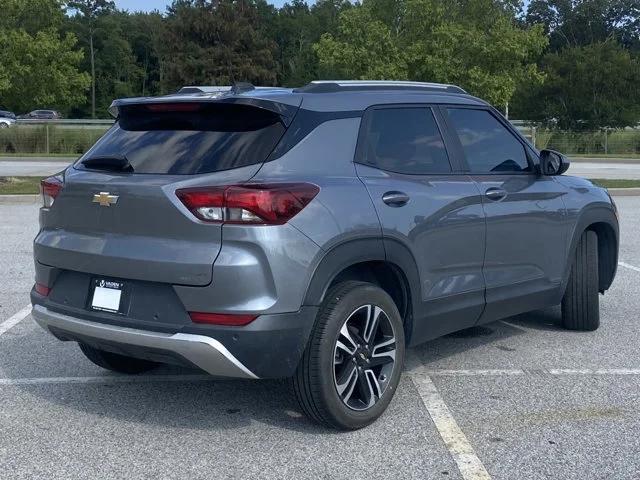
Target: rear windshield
column 186, row 139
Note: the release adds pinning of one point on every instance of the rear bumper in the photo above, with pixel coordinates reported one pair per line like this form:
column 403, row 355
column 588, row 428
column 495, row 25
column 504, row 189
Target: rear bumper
column 202, row 351
column 269, row 347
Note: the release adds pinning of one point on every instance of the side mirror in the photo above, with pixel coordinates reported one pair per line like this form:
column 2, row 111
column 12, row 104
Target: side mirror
column 553, row 163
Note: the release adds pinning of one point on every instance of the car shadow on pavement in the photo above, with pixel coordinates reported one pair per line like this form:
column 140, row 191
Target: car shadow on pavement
column 495, row 334
column 228, row 404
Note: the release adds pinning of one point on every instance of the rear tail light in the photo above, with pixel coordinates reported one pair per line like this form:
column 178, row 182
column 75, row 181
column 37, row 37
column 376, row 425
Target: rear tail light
column 261, row 204
column 50, row 188
column 230, row 320
column 42, row 289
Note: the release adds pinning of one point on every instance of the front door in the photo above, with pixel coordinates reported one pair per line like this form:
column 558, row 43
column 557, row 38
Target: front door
column 525, row 214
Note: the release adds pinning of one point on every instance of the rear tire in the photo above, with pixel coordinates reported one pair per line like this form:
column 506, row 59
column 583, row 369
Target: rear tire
column 581, row 302
column 351, row 367
column 115, row 362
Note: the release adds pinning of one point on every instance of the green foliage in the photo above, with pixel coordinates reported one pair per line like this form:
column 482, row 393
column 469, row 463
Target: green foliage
column 582, row 22
column 587, row 88
column 476, row 44
column 214, row 43
column 568, row 63
column 31, row 16
column 38, row 65
column 363, row 48
column 40, row 69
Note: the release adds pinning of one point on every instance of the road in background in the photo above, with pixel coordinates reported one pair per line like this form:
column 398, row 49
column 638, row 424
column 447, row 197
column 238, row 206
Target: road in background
column 40, row 167
column 520, row 398
column 608, row 170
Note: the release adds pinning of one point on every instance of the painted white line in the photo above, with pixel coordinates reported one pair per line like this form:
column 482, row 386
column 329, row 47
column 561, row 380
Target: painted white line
column 597, row 371
column 472, row 373
column 469, row 465
column 14, row 320
column 106, row 379
column 530, row 372
column 631, row 267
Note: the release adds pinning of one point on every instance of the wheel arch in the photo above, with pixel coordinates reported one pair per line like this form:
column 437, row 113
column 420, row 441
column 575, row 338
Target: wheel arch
column 388, row 265
column 603, row 221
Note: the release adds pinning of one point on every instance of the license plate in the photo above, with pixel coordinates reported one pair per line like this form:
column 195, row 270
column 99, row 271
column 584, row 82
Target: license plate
column 107, row 295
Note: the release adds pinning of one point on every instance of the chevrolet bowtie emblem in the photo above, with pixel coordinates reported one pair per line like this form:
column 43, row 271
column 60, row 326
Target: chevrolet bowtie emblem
column 105, row 199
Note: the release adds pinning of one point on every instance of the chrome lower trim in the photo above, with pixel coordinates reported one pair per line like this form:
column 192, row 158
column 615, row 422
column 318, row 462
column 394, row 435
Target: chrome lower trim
column 205, row 352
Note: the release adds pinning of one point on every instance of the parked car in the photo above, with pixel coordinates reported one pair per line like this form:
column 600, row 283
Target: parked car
column 312, row 233
column 6, row 121
column 5, row 113
column 42, row 115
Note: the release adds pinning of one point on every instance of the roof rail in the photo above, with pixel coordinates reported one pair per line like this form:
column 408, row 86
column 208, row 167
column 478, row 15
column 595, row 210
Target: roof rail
column 203, row 89
column 329, row 86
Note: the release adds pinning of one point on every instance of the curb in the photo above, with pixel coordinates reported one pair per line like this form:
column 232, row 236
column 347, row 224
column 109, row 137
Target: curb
column 18, row 199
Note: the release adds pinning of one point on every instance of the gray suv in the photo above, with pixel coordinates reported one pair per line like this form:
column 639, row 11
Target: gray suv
column 312, row 233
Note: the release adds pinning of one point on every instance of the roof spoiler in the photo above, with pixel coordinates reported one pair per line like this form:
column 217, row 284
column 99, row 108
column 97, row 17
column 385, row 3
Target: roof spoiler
column 285, row 107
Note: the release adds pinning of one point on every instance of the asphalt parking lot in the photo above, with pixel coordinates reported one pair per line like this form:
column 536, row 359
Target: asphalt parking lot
column 515, row 399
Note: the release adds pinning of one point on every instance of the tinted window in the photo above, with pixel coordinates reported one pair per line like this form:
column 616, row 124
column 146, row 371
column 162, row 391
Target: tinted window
column 488, row 145
column 208, row 139
column 405, row 140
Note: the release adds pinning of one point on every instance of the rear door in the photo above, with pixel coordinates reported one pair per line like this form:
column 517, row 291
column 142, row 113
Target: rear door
column 118, row 214
column 427, row 207
column 525, row 213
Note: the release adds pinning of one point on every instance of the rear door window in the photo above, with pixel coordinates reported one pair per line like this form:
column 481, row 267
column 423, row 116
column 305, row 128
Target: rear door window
column 191, row 138
column 489, row 147
column 405, row 140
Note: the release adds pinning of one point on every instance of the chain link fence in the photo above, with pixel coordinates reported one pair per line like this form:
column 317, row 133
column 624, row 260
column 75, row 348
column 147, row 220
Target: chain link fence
column 601, row 142
column 74, row 137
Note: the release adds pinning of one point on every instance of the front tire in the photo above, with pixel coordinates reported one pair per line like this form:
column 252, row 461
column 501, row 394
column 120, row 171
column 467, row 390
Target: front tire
column 581, row 302
column 115, row 362
column 351, row 367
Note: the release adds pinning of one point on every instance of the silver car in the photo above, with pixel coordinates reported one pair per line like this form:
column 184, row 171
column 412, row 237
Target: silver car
column 312, row 233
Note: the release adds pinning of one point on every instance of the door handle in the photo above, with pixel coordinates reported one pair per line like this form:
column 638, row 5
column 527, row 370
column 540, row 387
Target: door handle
column 395, row 199
column 495, row 194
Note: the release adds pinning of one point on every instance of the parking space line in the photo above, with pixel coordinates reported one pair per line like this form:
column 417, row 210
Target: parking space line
column 532, row 371
column 468, row 463
column 631, row 267
column 14, row 320
column 106, row 379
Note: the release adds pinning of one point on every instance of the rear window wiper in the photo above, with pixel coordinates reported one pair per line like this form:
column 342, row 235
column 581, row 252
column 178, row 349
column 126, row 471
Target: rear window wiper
column 115, row 163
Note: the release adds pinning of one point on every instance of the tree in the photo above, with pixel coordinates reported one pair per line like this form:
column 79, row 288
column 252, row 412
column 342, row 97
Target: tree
column 89, row 11
column 588, row 87
column 40, row 70
column 214, row 42
column 571, row 23
column 38, row 66
column 32, row 16
column 477, row 44
column 363, row 48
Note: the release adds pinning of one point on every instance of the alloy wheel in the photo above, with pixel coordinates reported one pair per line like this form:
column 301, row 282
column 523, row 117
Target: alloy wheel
column 364, row 357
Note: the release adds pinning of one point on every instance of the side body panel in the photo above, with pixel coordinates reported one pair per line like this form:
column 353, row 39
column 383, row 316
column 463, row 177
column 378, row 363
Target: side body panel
column 341, row 213
column 526, row 243
column 443, row 228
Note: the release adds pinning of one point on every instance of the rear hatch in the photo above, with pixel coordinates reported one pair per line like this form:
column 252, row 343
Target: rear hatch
column 117, row 214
